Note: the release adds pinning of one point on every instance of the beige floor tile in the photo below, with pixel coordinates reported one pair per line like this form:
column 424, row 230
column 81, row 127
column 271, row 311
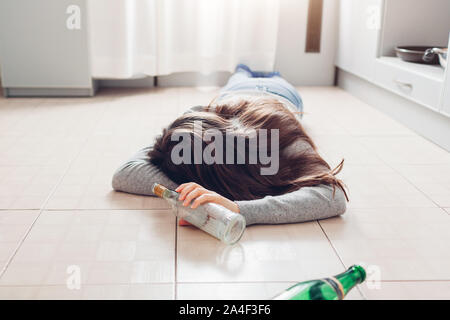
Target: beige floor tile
column 406, row 150
column 44, row 143
column 380, row 186
column 201, row 96
column 14, row 225
column 265, row 253
column 409, row 290
column 135, row 246
column 397, row 181
column 442, row 199
column 89, row 187
column 350, row 113
column 317, row 123
column 18, row 293
column 432, row 180
column 239, row 291
column 88, row 292
column 404, row 243
column 335, row 147
column 13, row 113
column 6, row 251
column 87, row 184
column 51, row 133
column 27, row 187
column 424, row 173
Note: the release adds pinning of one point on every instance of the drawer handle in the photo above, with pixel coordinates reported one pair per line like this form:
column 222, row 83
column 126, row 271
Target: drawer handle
column 402, row 84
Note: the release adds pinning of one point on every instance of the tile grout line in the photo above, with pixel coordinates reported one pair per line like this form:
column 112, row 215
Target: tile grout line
column 339, row 257
column 85, row 284
column 414, row 134
column 418, row 189
column 332, row 246
column 392, row 168
column 445, row 208
column 412, row 184
column 175, row 282
column 200, row 282
column 399, row 173
column 296, row 280
column 40, row 210
column 87, row 209
column 42, row 207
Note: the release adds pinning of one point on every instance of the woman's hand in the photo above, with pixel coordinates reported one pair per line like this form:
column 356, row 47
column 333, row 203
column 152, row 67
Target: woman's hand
column 194, row 193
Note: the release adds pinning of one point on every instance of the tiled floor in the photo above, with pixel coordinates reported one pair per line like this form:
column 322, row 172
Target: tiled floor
column 60, row 219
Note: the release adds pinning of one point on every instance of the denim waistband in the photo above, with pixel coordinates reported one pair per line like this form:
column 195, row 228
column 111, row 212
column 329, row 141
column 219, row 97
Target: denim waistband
column 271, row 86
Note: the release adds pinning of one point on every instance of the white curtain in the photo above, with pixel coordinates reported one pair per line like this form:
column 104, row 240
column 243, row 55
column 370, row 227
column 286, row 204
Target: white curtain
column 132, row 38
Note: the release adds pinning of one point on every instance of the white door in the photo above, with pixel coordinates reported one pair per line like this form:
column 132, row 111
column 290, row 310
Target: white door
column 359, row 29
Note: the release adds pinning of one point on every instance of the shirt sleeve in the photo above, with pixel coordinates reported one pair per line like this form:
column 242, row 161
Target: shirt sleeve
column 305, row 204
column 138, row 175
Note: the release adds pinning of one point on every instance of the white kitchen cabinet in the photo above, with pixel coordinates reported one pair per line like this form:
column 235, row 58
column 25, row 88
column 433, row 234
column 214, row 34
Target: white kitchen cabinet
column 369, row 31
column 359, row 31
column 446, row 99
column 44, row 48
column 426, row 24
column 420, row 83
column 445, row 105
column 372, row 71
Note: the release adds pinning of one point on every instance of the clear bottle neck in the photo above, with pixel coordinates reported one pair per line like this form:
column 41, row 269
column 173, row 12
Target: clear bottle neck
column 163, row 192
column 170, row 195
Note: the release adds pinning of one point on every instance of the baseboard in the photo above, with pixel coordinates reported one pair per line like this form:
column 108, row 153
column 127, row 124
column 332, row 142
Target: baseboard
column 146, row 82
column 429, row 124
column 193, row 79
column 49, row 92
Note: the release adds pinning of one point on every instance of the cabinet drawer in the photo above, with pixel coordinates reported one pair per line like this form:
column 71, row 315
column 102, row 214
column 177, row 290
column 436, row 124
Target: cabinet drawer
column 420, row 83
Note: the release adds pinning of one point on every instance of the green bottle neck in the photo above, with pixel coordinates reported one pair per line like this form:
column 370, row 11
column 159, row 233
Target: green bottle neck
column 350, row 278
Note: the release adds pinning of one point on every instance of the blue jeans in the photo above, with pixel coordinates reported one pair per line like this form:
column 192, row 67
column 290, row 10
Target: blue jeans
column 272, row 82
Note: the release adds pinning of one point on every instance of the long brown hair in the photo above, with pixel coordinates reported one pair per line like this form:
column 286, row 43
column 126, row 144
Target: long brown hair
column 300, row 165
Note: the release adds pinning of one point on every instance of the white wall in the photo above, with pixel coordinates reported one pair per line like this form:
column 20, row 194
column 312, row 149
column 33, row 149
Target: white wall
column 295, row 65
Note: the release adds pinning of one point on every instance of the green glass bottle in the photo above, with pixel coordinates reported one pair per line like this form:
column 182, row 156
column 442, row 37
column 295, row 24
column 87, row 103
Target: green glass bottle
column 332, row 288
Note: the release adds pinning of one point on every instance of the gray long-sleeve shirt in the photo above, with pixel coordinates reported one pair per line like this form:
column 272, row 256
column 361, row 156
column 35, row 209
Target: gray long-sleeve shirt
column 138, row 174
column 308, row 203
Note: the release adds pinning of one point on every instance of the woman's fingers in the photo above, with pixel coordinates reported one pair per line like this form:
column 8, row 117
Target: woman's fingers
column 198, row 191
column 181, row 186
column 195, row 193
column 186, row 189
column 207, row 197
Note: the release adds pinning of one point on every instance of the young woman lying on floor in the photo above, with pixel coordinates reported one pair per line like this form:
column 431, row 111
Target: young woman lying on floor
column 301, row 186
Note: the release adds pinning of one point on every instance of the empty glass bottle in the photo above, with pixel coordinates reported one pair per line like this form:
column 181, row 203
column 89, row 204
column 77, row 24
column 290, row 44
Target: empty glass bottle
column 212, row 218
column 332, row 288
